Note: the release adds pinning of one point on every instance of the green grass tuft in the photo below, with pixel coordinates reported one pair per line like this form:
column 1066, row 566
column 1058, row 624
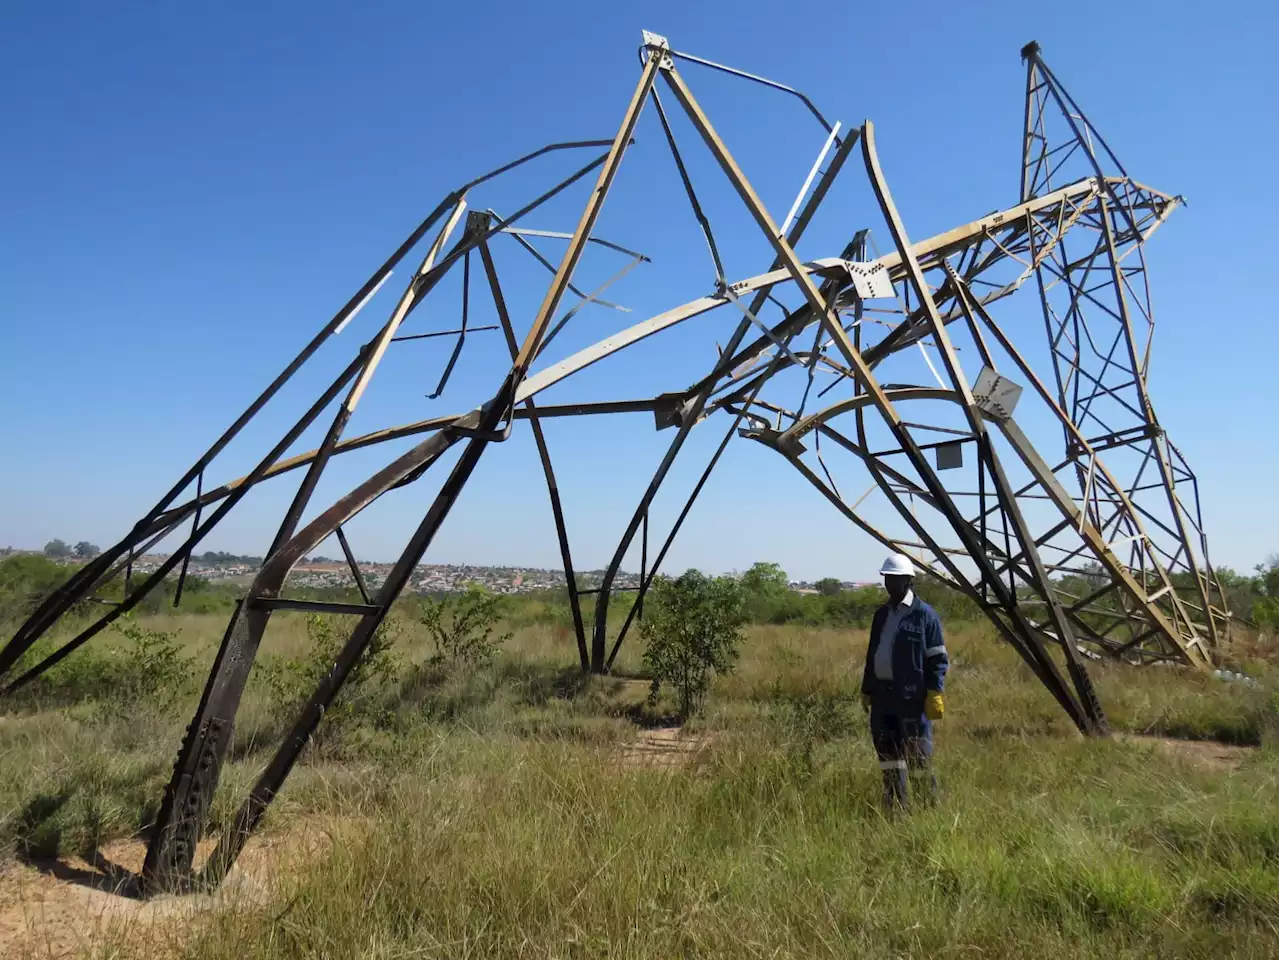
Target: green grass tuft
column 492, row 812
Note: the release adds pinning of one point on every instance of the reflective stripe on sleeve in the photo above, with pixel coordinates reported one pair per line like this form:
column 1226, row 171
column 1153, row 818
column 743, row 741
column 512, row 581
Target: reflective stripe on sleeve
column 893, row 764
column 934, row 651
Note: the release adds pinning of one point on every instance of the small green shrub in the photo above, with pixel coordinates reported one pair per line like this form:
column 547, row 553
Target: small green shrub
column 148, row 673
column 461, row 626
column 692, row 628
column 25, row 580
column 152, row 668
column 292, row 681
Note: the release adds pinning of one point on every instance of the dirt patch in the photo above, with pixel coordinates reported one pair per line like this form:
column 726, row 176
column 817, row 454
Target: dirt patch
column 62, row 907
column 1207, row 754
column 663, row 747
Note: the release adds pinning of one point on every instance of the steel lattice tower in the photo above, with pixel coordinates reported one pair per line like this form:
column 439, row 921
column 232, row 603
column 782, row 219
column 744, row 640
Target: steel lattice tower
column 1087, row 545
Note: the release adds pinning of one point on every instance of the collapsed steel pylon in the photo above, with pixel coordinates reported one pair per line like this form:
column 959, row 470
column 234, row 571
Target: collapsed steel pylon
column 1069, row 557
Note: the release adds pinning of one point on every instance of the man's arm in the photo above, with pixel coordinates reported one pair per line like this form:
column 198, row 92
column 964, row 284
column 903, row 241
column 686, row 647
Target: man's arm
column 936, row 661
column 877, row 621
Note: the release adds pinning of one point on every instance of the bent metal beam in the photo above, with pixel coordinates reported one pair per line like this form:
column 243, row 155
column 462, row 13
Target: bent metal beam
column 1067, row 555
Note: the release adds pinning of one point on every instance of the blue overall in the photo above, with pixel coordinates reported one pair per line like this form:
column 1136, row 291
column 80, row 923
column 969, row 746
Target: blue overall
column 900, row 731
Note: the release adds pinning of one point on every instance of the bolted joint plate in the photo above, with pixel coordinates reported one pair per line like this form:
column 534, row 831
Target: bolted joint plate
column 671, row 410
column 996, row 396
column 655, row 43
column 871, row 280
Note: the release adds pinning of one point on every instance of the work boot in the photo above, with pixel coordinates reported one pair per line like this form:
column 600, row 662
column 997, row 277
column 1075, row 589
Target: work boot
column 924, row 785
column 895, row 790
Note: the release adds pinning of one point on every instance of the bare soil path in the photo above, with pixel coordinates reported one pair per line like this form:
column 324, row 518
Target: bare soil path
column 1208, row 754
column 63, row 907
column 663, row 747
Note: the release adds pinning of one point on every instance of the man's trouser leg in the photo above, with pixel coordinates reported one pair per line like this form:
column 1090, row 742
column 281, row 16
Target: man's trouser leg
column 886, row 736
column 917, row 741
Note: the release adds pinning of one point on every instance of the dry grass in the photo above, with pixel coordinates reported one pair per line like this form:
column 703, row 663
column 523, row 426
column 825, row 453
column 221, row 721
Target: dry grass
column 504, row 813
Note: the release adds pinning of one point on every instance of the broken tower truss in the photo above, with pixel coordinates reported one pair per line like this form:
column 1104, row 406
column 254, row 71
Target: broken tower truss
column 1087, row 546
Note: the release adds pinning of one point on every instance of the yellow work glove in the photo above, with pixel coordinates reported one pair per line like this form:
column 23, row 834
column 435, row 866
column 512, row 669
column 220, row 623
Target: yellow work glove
column 933, row 705
column 866, row 702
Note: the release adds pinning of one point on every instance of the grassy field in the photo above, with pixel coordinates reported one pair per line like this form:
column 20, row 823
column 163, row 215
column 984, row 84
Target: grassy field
column 506, row 811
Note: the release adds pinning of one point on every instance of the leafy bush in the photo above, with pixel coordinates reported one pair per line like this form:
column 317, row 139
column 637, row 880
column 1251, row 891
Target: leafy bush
column 292, row 681
column 148, row 674
column 766, row 590
column 692, row 627
column 1266, row 613
column 25, row 580
column 152, row 668
column 461, row 626
column 769, row 599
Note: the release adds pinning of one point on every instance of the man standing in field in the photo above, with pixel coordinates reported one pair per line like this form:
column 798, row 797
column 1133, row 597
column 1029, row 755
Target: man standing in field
column 902, row 685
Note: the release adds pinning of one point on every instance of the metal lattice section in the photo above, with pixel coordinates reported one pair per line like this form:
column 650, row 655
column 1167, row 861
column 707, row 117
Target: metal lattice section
column 850, row 367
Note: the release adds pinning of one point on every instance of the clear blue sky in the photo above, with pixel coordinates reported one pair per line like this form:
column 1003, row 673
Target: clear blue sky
column 188, row 193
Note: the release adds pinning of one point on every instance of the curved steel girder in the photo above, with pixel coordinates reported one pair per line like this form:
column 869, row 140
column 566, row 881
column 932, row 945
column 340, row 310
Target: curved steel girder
column 1189, row 647
column 86, row 579
column 933, row 254
column 1044, row 669
column 195, row 775
column 696, row 402
column 1190, row 652
column 1029, row 644
column 179, row 513
column 169, row 521
column 1198, row 654
column 931, row 251
column 849, row 404
column 198, row 766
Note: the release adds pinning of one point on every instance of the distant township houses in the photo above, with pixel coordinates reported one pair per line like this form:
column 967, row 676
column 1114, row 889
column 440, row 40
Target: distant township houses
column 323, row 572
column 427, row 578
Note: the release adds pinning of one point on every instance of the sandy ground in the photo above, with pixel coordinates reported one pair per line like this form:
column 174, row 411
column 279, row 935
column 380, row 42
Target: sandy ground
column 1210, row 754
column 65, row 907
column 663, row 747
column 672, row 746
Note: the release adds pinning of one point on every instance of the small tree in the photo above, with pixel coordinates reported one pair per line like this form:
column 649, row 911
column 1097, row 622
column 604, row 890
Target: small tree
column 766, row 592
column 25, row 580
column 57, row 548
column 765, row 578
column 461, row 625
column 692, row 628
column 1266, row 609
column 829, row 586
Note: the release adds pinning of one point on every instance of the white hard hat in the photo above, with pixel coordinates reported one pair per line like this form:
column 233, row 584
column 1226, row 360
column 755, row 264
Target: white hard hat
column 897, row 565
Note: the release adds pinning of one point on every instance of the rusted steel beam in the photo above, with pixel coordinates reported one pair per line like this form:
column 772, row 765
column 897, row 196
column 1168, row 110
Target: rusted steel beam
column 690, row 415
column 352, row 563
column 954, row 276
column 314, row 606
column 548, row 472
column 195, row 777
